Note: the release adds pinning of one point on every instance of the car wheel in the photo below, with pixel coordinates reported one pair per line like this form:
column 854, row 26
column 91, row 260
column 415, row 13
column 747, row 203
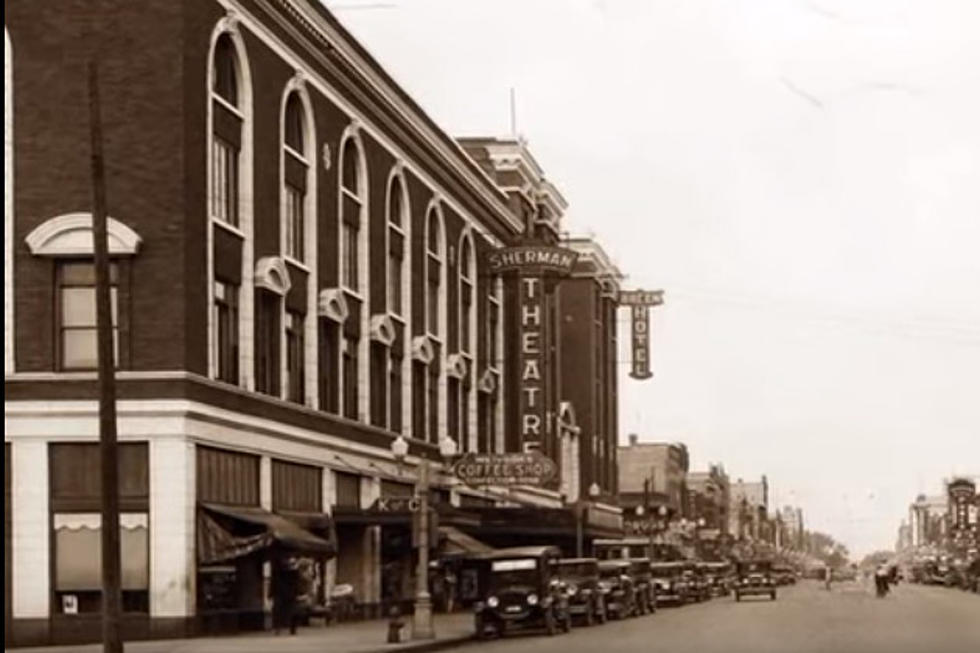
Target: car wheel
column 550, row 623
column 481, row 629
column 773, row 595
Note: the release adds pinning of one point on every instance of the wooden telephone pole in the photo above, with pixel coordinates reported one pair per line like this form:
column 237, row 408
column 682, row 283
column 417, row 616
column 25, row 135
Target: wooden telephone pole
column 111, row 593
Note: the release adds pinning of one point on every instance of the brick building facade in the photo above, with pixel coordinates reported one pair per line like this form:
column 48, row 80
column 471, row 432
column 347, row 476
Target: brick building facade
column 299, row 278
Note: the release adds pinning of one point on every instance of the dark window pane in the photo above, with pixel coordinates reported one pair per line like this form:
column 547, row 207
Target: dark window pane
column 295, row 127
column 225, row 73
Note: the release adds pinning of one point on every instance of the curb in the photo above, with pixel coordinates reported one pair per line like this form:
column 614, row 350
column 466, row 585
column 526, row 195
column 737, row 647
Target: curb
column 425, row 646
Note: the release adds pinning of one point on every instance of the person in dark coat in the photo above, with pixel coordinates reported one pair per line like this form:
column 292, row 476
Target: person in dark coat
column 285, row 593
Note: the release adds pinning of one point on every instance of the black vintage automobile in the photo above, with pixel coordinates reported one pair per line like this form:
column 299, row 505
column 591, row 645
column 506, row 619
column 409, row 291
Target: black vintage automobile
column 719, row 577
column 784, row 575
column 755, row 578
column 671, row 586
column 643, row 585
column 617, row 589
column 521, row 589
column 694, row 581
column 580, row 577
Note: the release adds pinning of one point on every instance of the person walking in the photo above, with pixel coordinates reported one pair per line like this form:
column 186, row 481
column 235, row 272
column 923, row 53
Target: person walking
column 285, row 588
column 450, row 582
column 881, row 580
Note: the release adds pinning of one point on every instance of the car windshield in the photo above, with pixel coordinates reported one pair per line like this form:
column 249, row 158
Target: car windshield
column 578, row 570
column 513, row 572
column 754, row 568
column 666, row 572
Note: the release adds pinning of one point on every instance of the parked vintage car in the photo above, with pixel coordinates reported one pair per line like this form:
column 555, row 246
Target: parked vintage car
column 581, row 579
column 784, row 575
column 646, row 591
column 702, row 573
column 670, row 583
column 521, row 589
column 617, row 588
column 719, row 576
column 755, row 578
column 696, row 583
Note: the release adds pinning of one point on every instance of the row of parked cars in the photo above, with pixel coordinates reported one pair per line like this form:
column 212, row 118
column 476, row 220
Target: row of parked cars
column 536, row 587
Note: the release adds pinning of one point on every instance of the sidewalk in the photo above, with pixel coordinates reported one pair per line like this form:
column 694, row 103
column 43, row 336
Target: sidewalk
column 359, row 637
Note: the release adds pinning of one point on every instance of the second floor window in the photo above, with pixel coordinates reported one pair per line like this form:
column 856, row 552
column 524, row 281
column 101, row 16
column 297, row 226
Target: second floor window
column 433, row 273
column 351, row 209
column 226, row 127
column 396, row 246
column 77, row 315
column 296, row 167
column 226, row 331
column 295, row 358
column 466, row 285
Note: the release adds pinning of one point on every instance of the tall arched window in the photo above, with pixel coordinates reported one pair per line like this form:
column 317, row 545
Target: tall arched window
column 351, row 210
column 296, row 165
column 460, row 386
column 354, row 354
column 298, row 228
column 229, row 227
column 398, row 292
column 435, row 303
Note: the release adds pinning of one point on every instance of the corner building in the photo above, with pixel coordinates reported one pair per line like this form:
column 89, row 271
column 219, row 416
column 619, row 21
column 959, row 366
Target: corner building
column 297, row 278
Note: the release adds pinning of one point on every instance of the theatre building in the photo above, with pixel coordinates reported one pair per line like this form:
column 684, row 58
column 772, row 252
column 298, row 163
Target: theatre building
column 301, row 275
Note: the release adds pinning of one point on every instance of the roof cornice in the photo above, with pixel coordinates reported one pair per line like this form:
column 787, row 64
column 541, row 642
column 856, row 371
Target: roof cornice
column 324, row 28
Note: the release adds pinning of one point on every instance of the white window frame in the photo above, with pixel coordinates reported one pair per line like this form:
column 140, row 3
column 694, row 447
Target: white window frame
column 297, row 86
column 246, row 301
column 405, row 316
column 434, row 211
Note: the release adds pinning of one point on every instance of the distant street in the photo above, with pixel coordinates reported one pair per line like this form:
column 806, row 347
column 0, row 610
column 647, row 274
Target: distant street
column 804, row 619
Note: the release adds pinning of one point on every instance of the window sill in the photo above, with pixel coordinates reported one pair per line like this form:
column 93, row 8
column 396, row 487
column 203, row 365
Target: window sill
column 227, row 226
column 296, row 263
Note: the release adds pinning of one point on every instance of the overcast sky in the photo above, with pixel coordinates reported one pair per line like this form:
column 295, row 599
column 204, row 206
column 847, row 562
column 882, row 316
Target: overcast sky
column 801, row 178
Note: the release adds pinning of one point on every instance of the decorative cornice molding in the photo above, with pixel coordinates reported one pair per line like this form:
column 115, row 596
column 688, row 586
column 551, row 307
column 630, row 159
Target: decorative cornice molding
column 456, row 366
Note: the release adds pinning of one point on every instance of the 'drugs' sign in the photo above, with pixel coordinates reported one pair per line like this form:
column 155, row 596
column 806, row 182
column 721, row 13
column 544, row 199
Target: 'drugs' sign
column 640, row 302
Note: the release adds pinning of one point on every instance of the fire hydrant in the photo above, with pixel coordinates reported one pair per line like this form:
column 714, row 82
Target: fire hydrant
column 395, row 625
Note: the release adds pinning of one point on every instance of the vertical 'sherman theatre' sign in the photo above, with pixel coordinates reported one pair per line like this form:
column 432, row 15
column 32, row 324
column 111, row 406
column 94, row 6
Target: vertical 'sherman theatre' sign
column 533, row 264
column 640, row 302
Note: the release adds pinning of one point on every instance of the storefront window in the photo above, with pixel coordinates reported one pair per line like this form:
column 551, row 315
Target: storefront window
column 78, row 562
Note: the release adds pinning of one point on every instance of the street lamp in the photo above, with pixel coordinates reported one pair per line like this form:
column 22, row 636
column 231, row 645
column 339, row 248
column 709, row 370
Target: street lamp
column 422, row 617
column 594, row 492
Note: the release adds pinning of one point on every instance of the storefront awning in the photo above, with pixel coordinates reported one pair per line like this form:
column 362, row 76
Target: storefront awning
column 455, row 543
column 228, row 532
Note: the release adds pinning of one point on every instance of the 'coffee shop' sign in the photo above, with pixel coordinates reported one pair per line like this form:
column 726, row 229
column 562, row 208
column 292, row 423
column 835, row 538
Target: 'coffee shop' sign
column 531, row 468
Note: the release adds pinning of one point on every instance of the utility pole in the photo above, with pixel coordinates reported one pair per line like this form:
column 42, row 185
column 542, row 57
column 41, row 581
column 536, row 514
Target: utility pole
column 111, row 595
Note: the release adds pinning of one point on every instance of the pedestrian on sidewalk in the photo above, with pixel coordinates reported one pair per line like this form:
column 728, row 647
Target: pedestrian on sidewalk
column 285, row 588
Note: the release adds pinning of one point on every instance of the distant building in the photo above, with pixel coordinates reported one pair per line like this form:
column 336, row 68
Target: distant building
column 662, row 466
column 708, row 498
column 927, row 520
column 748, row 509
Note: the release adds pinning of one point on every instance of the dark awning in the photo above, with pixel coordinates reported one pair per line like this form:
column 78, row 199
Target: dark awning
column 455, row 543
column 229, row 532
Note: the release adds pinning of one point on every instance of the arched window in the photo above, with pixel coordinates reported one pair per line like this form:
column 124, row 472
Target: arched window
column 467, row 285
column 230, row 225
column 227, row 133
column 298, row 229
column 435, row 303
column 460, row 384
column 434, row 249
column 296, row 167
column 398, row 293
column 489, row 407
column 351, row 210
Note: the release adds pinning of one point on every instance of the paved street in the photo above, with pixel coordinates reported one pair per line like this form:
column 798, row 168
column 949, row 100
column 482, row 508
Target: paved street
column 804, row 619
